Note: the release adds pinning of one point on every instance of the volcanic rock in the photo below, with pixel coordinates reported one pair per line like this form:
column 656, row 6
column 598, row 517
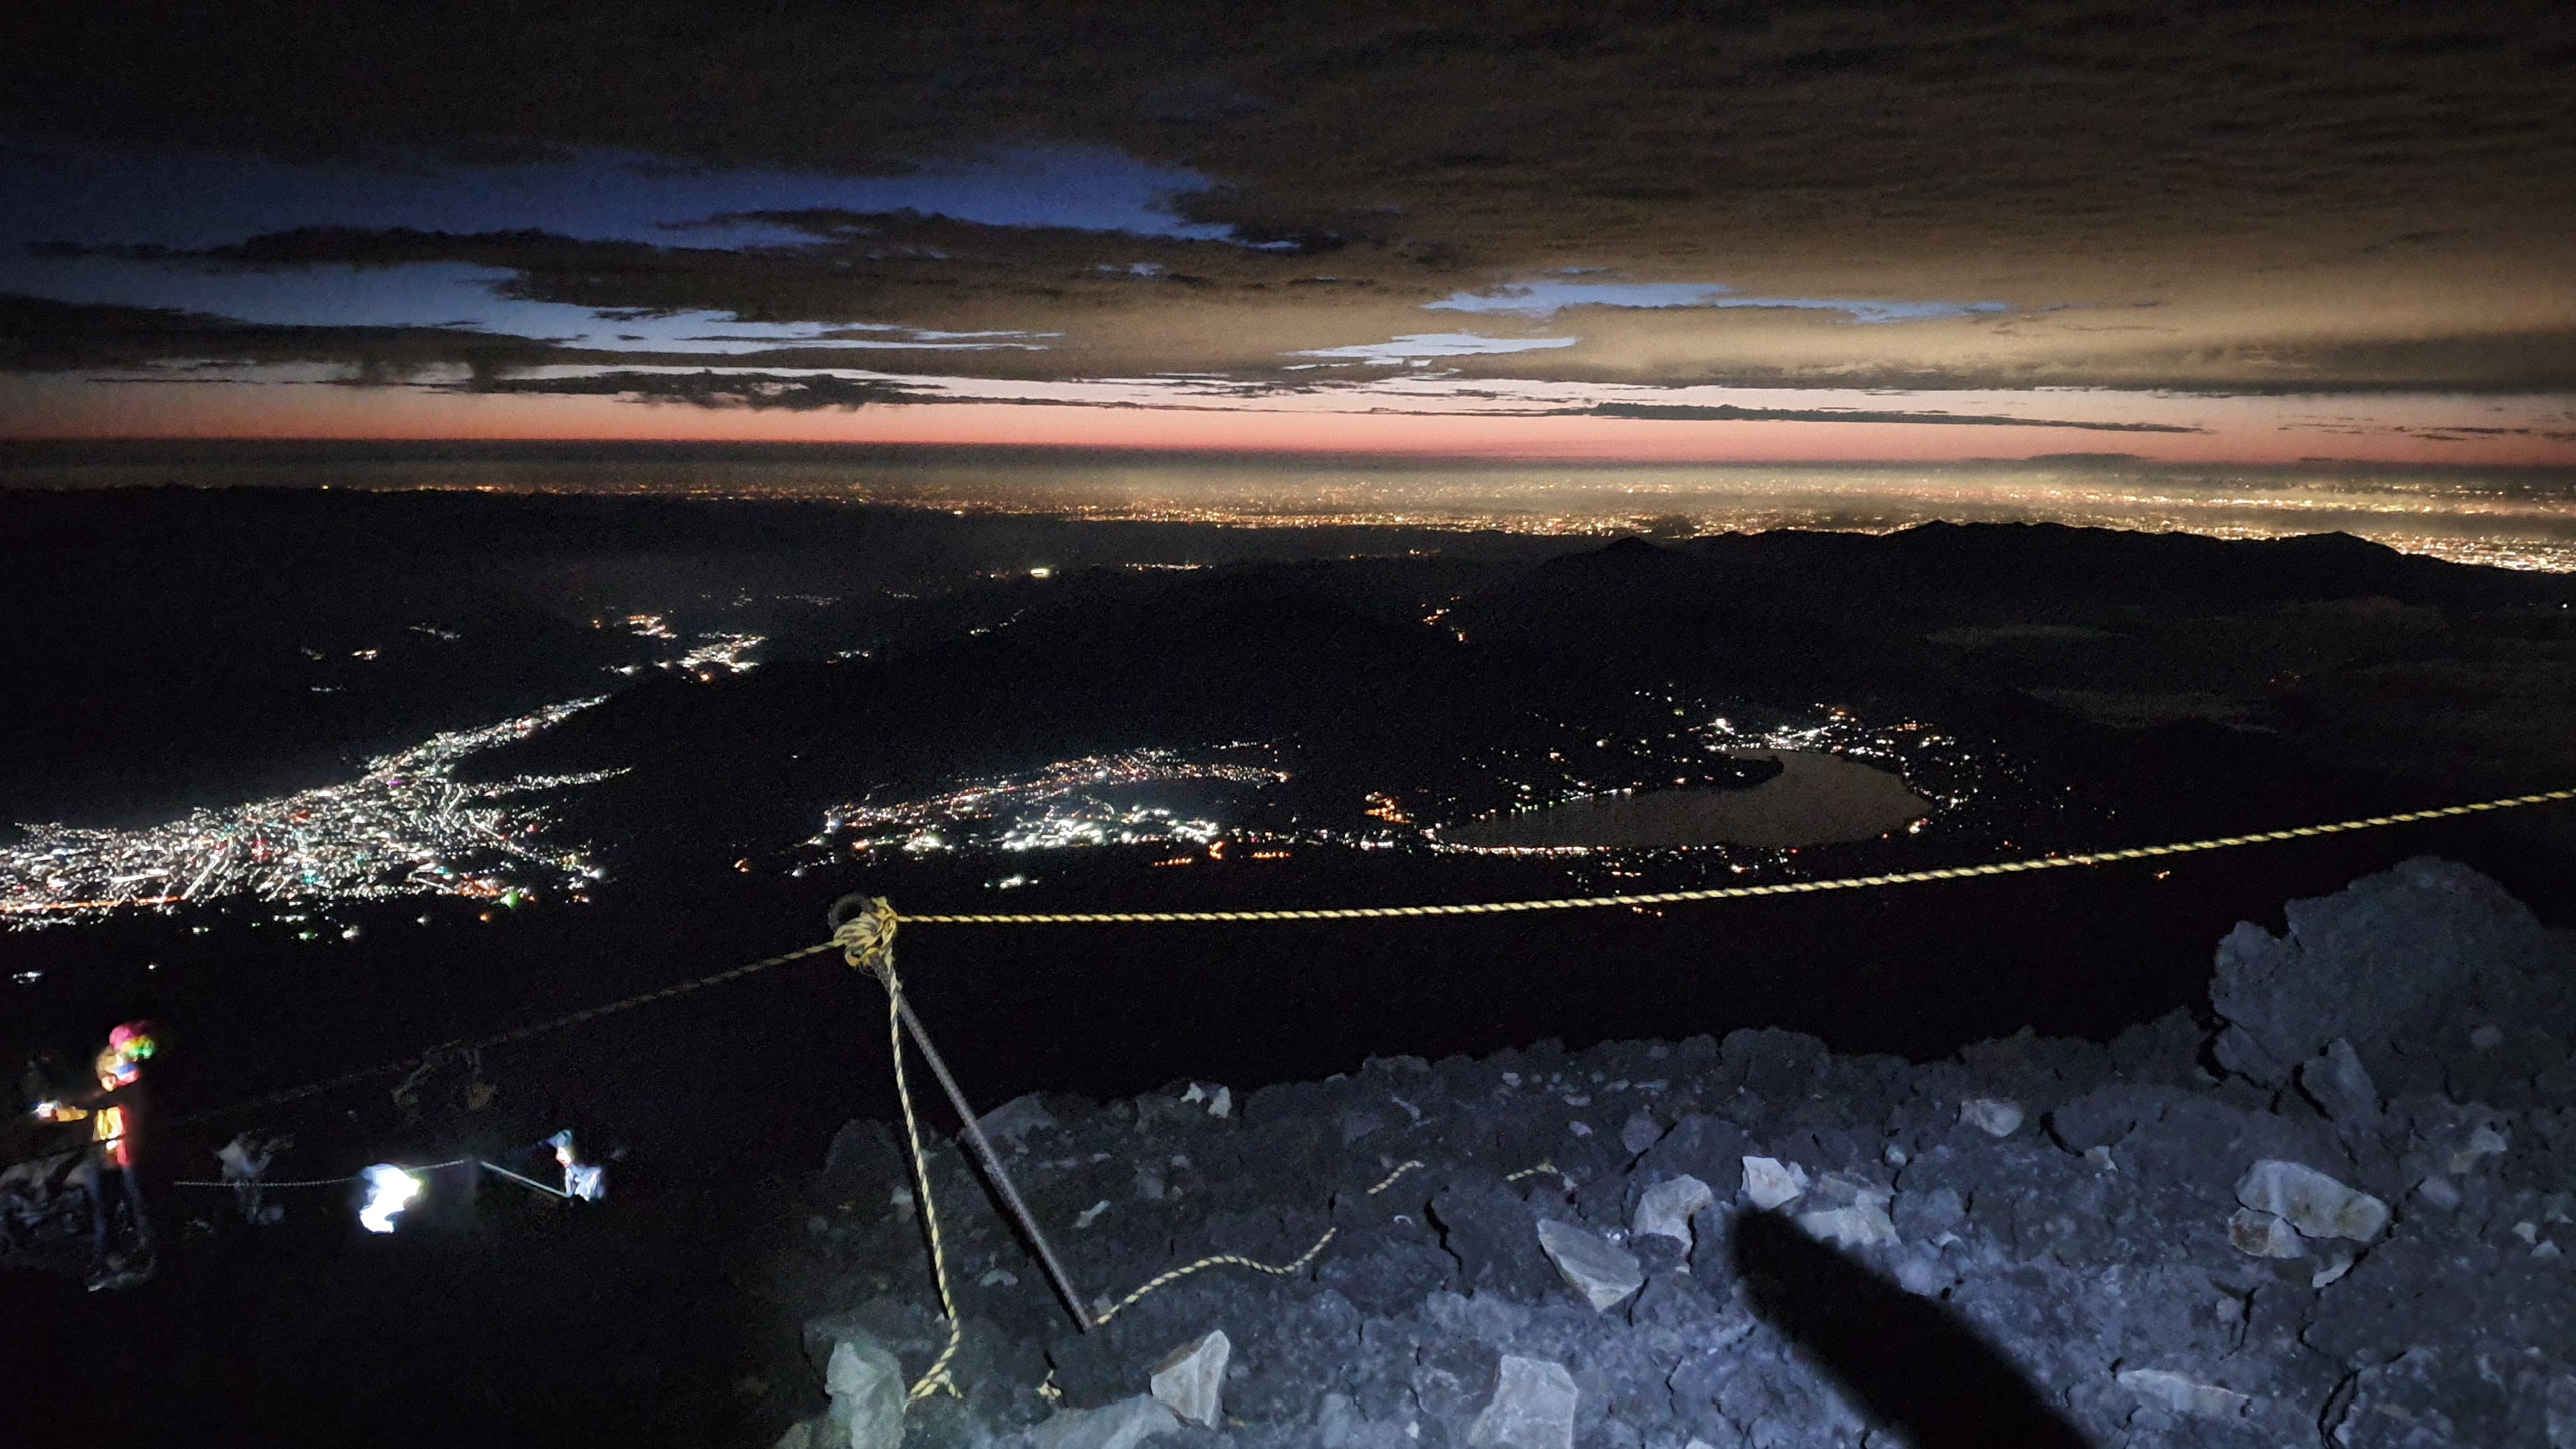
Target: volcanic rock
column 2259, row 1234
column 1994, row 1116
column 2177, row 1259
column 1769, row 1182
column 867, row 1389
column 1533, row 1407
column 2308, row 1200
column 1666, row 1209
column 1602, row 1272
column 1190, row 1381
column 1122, row 1425
column 2171, row 1391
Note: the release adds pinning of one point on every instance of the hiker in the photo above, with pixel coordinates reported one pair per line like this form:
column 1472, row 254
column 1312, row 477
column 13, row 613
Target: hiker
column 116, row 1112
column 584, row 1180
column 246, row 1161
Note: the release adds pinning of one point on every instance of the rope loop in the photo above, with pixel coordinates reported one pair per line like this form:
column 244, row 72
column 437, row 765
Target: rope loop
column 863, row 926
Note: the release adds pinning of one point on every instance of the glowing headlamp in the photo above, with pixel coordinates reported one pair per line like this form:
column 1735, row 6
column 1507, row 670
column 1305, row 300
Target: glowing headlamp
column 389, row 1191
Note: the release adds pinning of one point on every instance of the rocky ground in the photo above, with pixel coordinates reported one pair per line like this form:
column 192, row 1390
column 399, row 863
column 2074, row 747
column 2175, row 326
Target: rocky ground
column 2340, row 1217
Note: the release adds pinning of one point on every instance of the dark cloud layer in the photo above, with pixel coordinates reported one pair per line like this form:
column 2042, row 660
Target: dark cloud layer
column 1663, row 412
column 43, row 336
column 756, row 392
column 2309, row 195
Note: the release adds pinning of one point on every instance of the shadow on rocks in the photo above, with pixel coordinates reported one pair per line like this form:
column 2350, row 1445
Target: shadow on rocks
column 1908, row 1362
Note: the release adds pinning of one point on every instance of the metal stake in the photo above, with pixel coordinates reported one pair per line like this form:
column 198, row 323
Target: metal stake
column 992, row 1161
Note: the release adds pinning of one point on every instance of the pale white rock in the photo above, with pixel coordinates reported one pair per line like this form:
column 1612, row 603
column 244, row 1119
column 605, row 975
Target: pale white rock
column 1862, row 1225
column 1836, row 1188
column 1091, row 1214
column 2484, row 1142
column 1121, row 1425
column 2333, row 1271
column 1533, row 1407
column 2172, row 1392
column 2315, row 1204
column 867, row 1389
column 2262, row 1235
column 2438, row 1192
column 1013, row 1121
column 1190, row 1381
column 1994, row 1116
column 1666, row 1209
column 1602, row 1272
column 1769, row 1182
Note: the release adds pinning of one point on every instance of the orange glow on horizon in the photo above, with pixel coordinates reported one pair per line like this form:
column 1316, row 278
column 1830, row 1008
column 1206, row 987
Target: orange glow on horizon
column 2258, row 430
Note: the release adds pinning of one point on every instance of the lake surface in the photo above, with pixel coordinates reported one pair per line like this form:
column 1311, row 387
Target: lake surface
column 1816, row 799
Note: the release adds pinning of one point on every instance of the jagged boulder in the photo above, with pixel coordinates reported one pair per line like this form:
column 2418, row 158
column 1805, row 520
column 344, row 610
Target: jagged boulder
column 1190, row 1381
column 1665, row 1210
column 1601, row 1271
column 867, row 1389
column 2385, row 964
column 2310, row 1201
column 1532, row 1408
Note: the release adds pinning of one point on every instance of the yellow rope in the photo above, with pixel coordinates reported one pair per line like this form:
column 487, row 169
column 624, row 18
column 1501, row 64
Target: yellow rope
column 1725, row 893
column 1284, row 1270
column 867, row 943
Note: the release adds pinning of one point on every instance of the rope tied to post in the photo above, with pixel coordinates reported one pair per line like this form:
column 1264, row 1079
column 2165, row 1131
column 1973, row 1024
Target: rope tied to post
column 866, row 940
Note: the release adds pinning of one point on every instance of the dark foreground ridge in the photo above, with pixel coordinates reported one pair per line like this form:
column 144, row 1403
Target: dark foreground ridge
column 2341, row 1218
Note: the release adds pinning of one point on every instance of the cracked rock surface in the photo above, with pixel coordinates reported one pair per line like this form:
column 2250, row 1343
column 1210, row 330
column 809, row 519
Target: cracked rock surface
column 2341, row 1215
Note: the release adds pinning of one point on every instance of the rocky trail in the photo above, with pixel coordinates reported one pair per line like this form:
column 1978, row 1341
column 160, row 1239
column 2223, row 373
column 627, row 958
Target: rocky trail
column 2338, row 1214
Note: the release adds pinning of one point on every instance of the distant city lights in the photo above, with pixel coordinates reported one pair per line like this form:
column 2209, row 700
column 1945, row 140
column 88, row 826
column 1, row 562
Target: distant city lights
column 404, row 827
column 1060, row 806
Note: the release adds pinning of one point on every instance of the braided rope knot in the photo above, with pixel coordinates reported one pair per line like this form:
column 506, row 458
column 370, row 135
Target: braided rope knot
column 866, row 938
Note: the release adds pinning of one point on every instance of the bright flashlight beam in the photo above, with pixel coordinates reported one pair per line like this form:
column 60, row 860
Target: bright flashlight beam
column 389, row 1191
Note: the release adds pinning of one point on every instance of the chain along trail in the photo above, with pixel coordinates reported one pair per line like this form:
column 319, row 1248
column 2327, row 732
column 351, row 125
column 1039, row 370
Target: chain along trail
column 866, row 942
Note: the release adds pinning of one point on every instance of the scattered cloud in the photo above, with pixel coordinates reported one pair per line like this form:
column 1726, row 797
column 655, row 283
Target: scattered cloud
column 2371, row 203
column 1547, row 298
column 1425, row 346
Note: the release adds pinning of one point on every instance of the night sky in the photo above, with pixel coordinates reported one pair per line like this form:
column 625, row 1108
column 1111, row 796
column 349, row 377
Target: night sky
column 1720, row 232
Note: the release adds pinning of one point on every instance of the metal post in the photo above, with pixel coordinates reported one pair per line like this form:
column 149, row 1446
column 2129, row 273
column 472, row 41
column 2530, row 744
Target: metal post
column 992, row 1161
